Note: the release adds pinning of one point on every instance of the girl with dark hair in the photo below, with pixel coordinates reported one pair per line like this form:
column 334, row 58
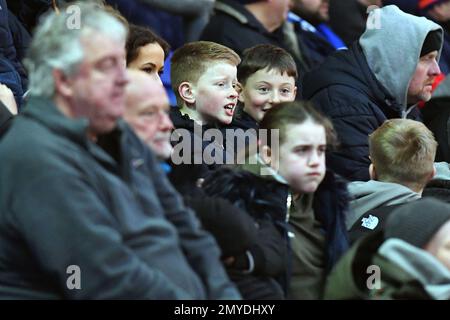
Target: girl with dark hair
column 290, row 186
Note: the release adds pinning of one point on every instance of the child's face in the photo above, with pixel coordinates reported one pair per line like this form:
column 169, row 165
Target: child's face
column 215, row 94
column 264, row 89
column 302, row 156
column 439, row 245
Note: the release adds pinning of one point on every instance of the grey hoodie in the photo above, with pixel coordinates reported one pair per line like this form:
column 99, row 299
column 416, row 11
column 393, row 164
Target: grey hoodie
column 442, row 171
column 394, row 62
column 421, row 265
column 373, row 194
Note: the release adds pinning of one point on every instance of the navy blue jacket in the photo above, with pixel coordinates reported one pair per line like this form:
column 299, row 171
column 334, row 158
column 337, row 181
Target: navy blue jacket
column 345, row 89
column 14, row 40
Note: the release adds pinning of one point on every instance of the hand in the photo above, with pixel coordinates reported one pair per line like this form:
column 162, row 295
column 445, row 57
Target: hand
column 7, row 97
column 371, row 3
column 228, row 261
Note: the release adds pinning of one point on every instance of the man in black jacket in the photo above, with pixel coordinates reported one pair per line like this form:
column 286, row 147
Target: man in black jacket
column 241, row 24
column 382, row 76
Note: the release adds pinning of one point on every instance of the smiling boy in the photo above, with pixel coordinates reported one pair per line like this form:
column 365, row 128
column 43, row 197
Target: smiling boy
column 267, row 76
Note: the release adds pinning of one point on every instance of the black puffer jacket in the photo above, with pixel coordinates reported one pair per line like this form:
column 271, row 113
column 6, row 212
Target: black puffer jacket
column 201, row 153
column 260, row 198
column 235, row 27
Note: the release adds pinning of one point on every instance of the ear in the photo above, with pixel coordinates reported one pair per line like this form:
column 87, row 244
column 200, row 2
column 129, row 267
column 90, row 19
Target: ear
column 62, row 83
column 295, row 92
column 240, row 90
column 432, row 174
column 266, row 154
column 186, row 93
column 372, row 172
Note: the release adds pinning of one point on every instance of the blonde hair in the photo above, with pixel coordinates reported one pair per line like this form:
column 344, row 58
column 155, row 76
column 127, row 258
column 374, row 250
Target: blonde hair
column 190, row 61
column 403, row 151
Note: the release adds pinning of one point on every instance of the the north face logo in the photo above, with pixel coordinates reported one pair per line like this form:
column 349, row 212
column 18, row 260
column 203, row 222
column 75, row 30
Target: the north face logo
column 370, row 223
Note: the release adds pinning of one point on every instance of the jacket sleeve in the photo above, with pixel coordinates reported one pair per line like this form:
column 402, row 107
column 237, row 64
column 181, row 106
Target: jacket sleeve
column 233, row 229
column 270, row 253
column 5, row 119
column 353, row 119
column 199, row 246
column 66, row 205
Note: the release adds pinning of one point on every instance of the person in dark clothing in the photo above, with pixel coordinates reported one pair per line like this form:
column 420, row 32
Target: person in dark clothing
column 243, row 24
column 359, row 88
column 292, row 188
column 436, row 116
column 267, row 75
column 176, row 21
column 147, row 113
column 5, row 119
column 14, row 41
column 8, row 108
column 146, row 51
column 83, row 192
column 348, row 18
column 204, row 82
column 261, row 273
column 313, row 16
column 402, row 153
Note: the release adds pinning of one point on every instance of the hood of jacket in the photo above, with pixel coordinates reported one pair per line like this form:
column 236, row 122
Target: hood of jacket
column 368, row 195
column 420, row 265
column 349, row 68
column 394, row 62
column 348, row 278
column 352, row 275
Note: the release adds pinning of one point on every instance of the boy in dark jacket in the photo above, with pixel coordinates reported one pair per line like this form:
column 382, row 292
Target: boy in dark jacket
column 204, row 82
column 267, row 76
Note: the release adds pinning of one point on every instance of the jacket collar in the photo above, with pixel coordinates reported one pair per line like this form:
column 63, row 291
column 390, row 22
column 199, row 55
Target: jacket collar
column 241, row 14
column 46, row 112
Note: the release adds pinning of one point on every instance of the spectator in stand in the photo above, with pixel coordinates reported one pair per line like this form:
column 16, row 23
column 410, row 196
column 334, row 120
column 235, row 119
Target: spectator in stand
column 146, row 51
column 314, row 16
column 241, row 24
column 402, row 153
column 361, row 87
column 348, row 18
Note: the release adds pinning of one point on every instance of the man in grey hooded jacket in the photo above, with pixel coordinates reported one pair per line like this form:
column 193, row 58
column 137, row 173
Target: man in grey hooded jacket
column 382, row 76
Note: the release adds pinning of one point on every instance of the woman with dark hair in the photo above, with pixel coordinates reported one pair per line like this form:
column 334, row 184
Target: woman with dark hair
column 146, row 51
